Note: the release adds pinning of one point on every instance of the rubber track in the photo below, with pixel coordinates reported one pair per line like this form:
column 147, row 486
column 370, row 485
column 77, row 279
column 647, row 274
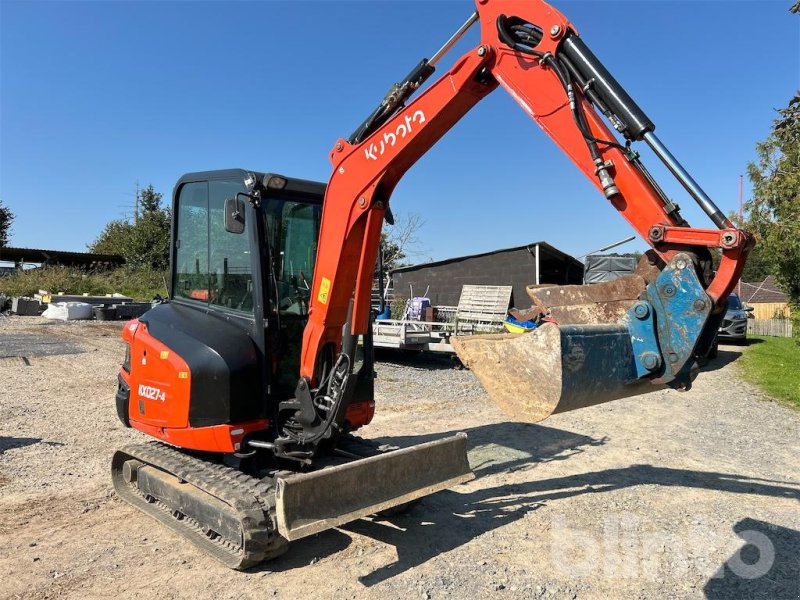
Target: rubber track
column 251, row 500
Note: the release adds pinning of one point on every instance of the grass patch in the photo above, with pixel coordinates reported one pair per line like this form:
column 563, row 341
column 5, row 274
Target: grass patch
column 139, row 284
column 773, row 364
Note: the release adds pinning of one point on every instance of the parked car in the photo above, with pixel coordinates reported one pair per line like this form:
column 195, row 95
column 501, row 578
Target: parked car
column 733, row 327
column 734, row 324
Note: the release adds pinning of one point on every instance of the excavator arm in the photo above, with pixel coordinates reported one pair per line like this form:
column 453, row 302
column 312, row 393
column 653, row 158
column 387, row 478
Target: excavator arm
column 533, row 52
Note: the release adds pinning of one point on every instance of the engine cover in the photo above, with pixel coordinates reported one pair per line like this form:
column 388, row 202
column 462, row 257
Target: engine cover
column 190, row 368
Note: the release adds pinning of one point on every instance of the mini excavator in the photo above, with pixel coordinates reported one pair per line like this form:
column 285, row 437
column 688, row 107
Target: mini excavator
column 253, row 374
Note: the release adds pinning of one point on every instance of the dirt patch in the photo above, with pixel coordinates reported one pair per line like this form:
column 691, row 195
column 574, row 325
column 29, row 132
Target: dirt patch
column 664, row 495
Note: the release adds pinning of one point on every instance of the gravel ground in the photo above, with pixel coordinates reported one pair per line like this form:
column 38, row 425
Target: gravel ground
column 666, row 495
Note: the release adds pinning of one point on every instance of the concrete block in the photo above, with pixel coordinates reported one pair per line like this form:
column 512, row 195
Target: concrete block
column 25, row 307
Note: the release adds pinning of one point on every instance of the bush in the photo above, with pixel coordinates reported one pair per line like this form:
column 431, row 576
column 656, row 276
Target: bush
column 140, row 284
column 143, row 243
column 398, row 307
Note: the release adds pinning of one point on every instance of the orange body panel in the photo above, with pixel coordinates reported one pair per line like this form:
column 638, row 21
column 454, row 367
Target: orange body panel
column 360, row 413
column 160, row 386
column 217, row 438
column 160, row 381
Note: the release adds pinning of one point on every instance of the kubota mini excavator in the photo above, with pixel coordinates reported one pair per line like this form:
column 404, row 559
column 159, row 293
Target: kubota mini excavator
column 255, row 371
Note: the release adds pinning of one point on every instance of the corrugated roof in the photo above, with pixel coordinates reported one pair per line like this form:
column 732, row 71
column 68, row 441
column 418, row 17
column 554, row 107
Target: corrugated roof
column 762, row 292
column 39, row 255
column 530, row 246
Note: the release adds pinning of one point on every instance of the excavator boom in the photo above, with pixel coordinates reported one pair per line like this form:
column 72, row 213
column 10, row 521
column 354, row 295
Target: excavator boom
column 533, row 52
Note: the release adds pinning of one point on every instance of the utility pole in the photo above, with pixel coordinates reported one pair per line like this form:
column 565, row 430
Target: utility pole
column 136, row 206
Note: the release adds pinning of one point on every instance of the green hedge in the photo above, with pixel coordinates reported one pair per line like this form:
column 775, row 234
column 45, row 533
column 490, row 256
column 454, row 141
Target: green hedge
column 140, row 284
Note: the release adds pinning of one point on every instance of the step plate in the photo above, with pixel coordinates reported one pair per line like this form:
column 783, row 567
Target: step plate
column 308, row 503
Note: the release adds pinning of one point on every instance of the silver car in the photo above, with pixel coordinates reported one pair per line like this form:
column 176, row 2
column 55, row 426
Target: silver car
column 734, row 324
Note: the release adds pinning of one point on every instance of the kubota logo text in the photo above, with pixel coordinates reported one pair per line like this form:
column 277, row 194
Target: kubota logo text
column 376, row 149
column 151, row 393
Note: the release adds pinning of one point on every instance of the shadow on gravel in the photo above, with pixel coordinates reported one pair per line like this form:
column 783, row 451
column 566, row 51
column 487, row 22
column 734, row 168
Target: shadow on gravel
column 723, row 359
column 306, row 552
column 449, row 519
column 413, row 358
column 765, row 567
column 10, row 443
column 510, row 446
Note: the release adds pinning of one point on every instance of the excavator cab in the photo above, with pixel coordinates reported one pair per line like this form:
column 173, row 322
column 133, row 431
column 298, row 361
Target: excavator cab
column 227, row 343
column 236, row 309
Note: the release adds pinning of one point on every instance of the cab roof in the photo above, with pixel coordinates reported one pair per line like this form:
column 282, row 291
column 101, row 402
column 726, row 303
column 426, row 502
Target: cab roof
column 293, row 184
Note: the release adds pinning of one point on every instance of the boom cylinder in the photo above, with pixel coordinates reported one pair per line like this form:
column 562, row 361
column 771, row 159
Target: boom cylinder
column 635, row 121
column 400, row 92
column 636, row 125
column 687, row 181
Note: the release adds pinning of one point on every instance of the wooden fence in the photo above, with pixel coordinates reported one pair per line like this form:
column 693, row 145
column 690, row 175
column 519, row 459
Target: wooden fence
column 770, row 310
column 775, row 327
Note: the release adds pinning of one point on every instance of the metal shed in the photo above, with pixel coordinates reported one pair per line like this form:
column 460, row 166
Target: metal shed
column 520, row 266
column 59, row 257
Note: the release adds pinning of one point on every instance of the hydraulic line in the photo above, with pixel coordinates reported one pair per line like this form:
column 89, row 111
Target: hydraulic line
column 601, row 168
column 397, row 95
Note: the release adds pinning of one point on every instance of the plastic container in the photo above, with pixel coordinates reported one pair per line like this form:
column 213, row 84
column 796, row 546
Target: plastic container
column 512, row 325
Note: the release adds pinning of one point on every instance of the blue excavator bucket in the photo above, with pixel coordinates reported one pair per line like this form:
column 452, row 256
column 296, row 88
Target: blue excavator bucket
column 602, row 342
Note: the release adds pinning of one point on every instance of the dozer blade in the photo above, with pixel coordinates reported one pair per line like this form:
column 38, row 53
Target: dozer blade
column 553, row 369
column 307, row 503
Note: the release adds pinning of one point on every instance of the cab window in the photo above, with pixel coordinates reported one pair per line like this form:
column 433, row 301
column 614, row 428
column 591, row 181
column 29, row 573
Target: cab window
column 191, row 252
column 230, row 272
column 212, row 265
column 293, row 228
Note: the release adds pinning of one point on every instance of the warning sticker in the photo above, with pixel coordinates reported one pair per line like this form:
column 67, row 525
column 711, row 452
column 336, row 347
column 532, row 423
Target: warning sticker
column 324, row 287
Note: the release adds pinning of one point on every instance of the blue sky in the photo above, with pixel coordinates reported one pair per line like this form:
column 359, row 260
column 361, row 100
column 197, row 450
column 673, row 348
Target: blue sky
column 96, row 96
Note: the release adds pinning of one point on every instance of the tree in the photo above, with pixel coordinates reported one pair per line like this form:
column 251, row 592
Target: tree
column 149, row 200
column 757, row 268
column 400, row 240
column 774, row 211
column 6, row 219
column 143, row 243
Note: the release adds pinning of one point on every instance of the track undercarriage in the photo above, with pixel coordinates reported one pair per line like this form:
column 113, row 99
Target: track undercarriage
column 225, row 512
column 243, row 520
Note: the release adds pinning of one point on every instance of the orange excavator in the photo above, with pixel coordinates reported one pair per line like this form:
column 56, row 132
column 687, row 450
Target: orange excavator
column 254, row 373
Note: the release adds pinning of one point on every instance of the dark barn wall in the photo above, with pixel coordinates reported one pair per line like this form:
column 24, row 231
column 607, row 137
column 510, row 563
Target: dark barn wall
column 511, row 267
column 559, row 270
